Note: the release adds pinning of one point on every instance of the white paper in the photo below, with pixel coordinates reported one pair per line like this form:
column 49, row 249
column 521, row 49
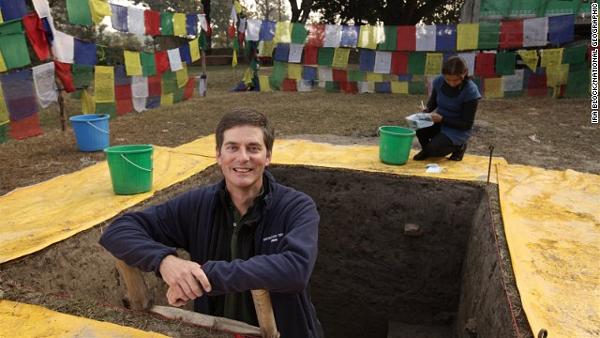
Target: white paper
column 174, row 59
column 45, row 84
column 63, row 47
column 295, row 55
column 433, row 168
column 383, row 62
column 135, row 21
column 425, row 37
column 419, row 120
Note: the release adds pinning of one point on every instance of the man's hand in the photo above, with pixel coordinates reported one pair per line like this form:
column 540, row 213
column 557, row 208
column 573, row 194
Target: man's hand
column 436, row 118
column 185, row 278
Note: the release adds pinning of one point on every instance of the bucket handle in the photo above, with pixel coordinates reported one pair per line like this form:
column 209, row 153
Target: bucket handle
column 135, row 165
column 93, row 125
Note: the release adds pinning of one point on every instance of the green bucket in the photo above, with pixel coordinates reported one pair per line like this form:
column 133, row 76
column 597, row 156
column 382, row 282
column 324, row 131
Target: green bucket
column 130, row 168
column 394, row 144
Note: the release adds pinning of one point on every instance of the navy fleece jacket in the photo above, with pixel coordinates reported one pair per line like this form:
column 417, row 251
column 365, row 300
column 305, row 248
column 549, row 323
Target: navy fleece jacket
column 285, row 243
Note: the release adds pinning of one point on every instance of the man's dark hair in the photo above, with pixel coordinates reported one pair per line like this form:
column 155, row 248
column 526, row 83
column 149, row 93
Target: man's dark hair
column 455, row 66
column 245, row 117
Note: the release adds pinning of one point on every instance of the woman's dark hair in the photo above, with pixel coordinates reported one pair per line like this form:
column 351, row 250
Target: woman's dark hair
column 455, row 66
column 245, row 117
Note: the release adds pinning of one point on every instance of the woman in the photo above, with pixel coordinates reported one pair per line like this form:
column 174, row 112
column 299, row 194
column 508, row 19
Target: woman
column 455, row 97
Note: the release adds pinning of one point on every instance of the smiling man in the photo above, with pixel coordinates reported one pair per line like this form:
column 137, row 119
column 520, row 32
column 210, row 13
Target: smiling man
column 246, row 232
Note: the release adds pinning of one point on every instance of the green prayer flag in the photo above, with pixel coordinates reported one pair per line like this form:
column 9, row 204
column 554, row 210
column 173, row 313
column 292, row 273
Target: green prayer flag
column 575, row 54
column 332, row 86
column 148, row 64
column 391, row 34
column 505, row 63
column 77, row 94
column 489, row 34
column 416, row 87
column 82, row 75
column 106, row 108
column 299, row 33
column 79, row 12
column 325, row 57
column 236, row 44
column 166, row 23
column 168, row 83
column 3, row 132
column 178, row 95
column 356, row 75
column 13, row 45
column 416, row 63
column 578, row 83
column 202, row 41
column 516, row 93
column 278, row 74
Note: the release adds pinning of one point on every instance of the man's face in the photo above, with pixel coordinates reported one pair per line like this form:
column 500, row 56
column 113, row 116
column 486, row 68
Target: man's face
column 243, row 157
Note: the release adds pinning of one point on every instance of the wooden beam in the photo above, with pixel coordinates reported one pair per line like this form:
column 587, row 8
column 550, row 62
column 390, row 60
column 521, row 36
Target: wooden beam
column 264, row 312
column 137, row 291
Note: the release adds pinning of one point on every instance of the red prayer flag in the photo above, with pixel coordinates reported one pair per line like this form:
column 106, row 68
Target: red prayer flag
column 406, row 38
column 485, row 65
column 316, row 35
column 63, row 72
column 189, row 88
column 154, row 88
column 152, row 22
column 161, row 59
column 511, row 34
column 536, row 86
column 36, row 35
column 123, row 92
column 231, row 31
column 349, row 87
column 311, row 55
column 27, row 127
column 399, row 63
column 289, row 85
column 124, row 106
column 340, row 75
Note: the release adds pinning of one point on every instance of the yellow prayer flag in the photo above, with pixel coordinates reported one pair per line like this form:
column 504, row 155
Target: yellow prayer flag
column 340, row 58
column 247, row 79
column 493, row 87
column 374, row 77
column 1, row 18
column 88, row 106
column 237, row 6
column 551, row 57
column 283, row 33
column 367, row 37
column 179, row 24
column 194, row 50
column 4, row 116
column 234, row 61
column 104, row 84
column 99, row 9
column 529, row 57
column 294, row 71
column 266, row 48
column 433, row 63
column 182, row 76
column 2, row 64
column 133, row 63
column 399, row 87
column 467, row 36
column 557, row 75
column 263, row 82
column 166, row 99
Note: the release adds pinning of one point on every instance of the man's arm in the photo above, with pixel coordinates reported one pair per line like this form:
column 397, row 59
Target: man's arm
column 287, row 271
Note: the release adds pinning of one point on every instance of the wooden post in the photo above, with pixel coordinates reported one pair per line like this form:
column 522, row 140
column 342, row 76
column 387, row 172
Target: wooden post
column 264, row 312
column 137, row 291
column 61, row 105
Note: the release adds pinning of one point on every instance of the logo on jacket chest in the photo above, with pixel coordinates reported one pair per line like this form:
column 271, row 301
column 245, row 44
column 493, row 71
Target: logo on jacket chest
column 273, row 238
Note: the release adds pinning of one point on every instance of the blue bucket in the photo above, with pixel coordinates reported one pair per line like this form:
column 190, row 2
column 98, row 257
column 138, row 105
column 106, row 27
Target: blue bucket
column 91, row 131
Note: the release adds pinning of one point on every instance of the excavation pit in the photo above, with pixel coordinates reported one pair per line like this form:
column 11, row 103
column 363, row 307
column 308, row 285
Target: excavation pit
column 399, row 256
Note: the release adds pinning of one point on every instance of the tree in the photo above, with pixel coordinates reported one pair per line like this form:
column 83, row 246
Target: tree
column 300, row 13
column 390, row 12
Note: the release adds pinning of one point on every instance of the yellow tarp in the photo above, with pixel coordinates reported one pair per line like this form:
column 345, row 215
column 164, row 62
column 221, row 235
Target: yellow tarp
column 552, row 225
column 24, row 320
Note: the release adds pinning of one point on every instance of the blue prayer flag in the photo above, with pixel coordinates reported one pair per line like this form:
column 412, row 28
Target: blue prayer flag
column 383, row 87
column 13, row 9
column 191, row 24
column 121, row 77
column 445, row 39
column 184, row 53
column 367, row 60
column 309, row 73
column 282, row 52
column 119, row 17
column 85, row 52
column 349, row 36
column 267, row 30
column 561, row 29
column 152, row 102
column 19, row 94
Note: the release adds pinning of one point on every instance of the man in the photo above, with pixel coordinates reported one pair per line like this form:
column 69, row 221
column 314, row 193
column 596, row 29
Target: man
column 246, row 232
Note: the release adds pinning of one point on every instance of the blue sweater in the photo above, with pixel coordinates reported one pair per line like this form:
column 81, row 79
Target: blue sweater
column 285, row 243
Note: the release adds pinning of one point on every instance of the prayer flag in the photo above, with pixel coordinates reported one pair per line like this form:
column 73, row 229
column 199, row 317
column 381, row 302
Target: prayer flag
column 179, row 23
column 166, row 23
column 349, row 36
column 78, row 12
column 416, row 87
column 106, row 108
column 264, row 84
column 399, row 87
column 561, row 29
column 148, row 64
column 445, row 38
column 416, row 63
column 305, row 86
column 174, row 59
column 339, row 75
column 155, row 85
column 139, row 86
column 578, row 83
column 19, row 94
column 152, row 23
column 295, row 54
column 316, row 35
column 511, row 34
column 181, row 77
column 374, row 77
column 506, row 63
column 282, row 32
column 574, row 54
column 84, row 52
column 63, row 47
column 530, row 58
column 37, row 36
column 295, row 71
column 161, row 59
column 4, row 117
column 367, row 37
column 194, row 50
column 355, row 75
column 467, row 36
column 366, row 60
column 27, row 127
column 191, row 25
column 325, row 74
column 104, row 82
column 433, row 63
column 253, row 29
column 390, row 38
column 340, row 58
column 184, row 52
column 153, row 102
column 406, row 38
column 383, row 87
column 45, row 85
column 267, row 30
column 493, row 87
column 133, row 64
column 535, row 32
column 551, row 57
column 469, row 59
column 325, row 57
column 489, row 35
column 289, row 85
column 513, row 83
column 123, row 99
column 383, row 62
column 118, row 17
column 309, row 73
column 485, row 64
column 557, row 75
column 99, row 9
column 281, row 52
column 121, row 77
column 366, row 87
column 13, row 45
column 204, row 25
column 168, row 82
column 311, row 55
column 333, row 36
column 536, row 85
column 425, row 37
column 265, row 48
column 136, row 20
column 63, row 71
column 332, row 87
column 299, row 33
column 42, row 8
column 399, row 63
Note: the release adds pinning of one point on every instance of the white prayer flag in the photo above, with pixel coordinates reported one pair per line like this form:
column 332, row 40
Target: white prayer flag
column 333, row 36
column 45, row 85
column 42, row 8
column 135, row 21
column 304, row 85
column 383, row 62
column 513, row 83
column 139, row 86
column 242, row 26
column 63, row 47
column 535, row 32
column 139, row 104
column 295, row 55
column 469, row 60
column 202, row 86
column 366, row 87
column 202, row 22
column 233, row 16
column 253, row 29
column 174, row 59
column 325, row 74
column 425, row 37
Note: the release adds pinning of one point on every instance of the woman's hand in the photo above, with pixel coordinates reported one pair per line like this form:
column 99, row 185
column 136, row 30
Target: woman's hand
column 436, row 118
